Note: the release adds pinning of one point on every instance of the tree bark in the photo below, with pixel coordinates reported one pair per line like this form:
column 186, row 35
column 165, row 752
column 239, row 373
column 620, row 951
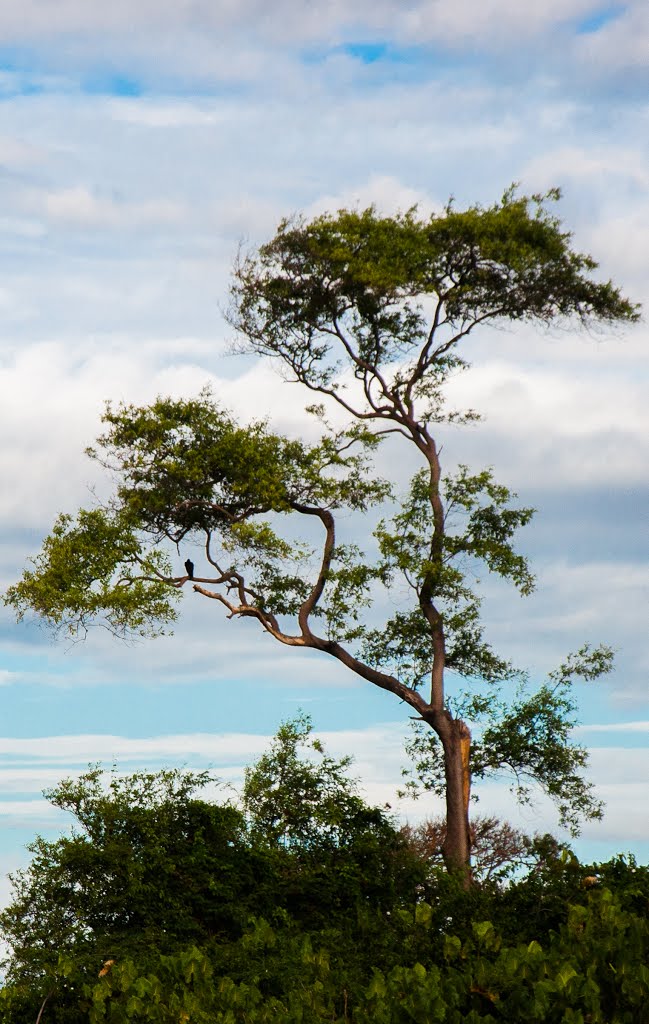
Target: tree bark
column 456, row 742
column 453, row 733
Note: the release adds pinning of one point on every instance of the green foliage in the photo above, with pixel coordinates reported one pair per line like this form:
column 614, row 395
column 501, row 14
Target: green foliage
column 147, row 866
column 364, row 276
column 149, row 869
column 591, row 971
column 186, row 465
column 301, row 801
column 96, row 569
column 186, row 469
column 479, row 528
column 296, row 794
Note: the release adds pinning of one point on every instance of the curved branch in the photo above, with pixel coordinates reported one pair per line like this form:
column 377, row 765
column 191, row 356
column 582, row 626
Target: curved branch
column 208, row 552
column 380, row 679
column 43, row 1004
column 307, row 606
column 267, row 620
column 422, row 362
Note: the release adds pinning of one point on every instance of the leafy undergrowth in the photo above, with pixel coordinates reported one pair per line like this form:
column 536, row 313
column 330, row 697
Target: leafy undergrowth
column 593, row 969
column 306, row 905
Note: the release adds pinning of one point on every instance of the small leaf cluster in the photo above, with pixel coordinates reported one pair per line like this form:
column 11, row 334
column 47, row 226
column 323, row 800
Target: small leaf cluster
column 186, row 465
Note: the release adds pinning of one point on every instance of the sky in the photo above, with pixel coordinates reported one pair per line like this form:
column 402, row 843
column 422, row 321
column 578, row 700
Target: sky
column 139, row 146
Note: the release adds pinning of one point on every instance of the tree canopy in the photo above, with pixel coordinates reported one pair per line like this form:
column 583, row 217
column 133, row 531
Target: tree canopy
column 368, row 313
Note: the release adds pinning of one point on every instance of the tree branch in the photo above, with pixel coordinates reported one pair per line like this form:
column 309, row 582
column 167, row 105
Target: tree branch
column 307, row 607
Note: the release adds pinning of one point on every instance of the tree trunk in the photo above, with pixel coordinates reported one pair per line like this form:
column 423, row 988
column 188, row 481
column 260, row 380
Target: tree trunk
column 456, row 850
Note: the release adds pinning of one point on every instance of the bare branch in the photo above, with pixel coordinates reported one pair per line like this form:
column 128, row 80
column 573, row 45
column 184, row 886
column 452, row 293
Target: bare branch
column 268, row 621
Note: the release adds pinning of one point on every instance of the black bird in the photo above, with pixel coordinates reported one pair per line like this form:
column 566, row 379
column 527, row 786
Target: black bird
column 189, row 566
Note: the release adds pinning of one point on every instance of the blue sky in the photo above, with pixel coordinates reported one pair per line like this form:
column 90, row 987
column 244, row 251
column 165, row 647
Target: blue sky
column 138, row 145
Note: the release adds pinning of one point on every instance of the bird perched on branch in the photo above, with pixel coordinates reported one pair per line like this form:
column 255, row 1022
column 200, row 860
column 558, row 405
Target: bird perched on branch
column 189, row 566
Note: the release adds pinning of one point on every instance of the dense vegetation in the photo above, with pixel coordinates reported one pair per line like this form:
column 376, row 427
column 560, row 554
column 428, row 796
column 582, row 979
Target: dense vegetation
column 304, row 904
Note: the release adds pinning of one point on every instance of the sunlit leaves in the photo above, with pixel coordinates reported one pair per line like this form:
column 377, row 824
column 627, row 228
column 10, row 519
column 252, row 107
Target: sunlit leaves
column 347, row 595
column 296, row 794
column 479, row 524
column 97, row 569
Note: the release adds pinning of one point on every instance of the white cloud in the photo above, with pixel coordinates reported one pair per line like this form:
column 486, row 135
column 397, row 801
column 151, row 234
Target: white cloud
column 617, row 584
column 27, row 810
column 14, row 152
column 21, row 228
column 563, row 431
column 623, row 727
column 388, row 194
column 291, row 20
column 242, row 216
column 44, row 468
column 77, row 206
column 154, row 113
column 622, row 234
column 378, row 757
column 23, row 780
column 599, row 165
column 559, row 419
column 100, row 747
column 493, row 21
column 578, row 600
column 622, row 44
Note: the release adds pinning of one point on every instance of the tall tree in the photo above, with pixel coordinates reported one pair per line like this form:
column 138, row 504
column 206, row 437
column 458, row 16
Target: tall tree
column 368, row 313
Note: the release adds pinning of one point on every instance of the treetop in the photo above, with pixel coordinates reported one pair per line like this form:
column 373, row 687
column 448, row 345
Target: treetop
column 355, row 288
